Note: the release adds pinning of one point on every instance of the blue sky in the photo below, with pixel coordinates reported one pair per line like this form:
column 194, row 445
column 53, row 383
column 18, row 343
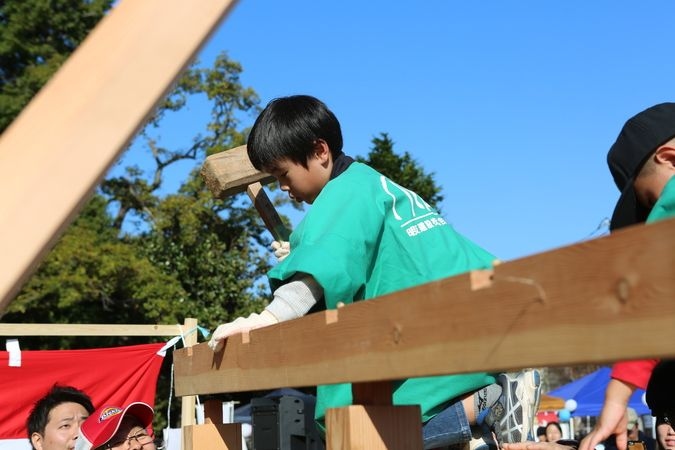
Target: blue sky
column 511, row 104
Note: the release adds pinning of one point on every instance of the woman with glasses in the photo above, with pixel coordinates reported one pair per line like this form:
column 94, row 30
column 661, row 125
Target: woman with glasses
column 115, row 428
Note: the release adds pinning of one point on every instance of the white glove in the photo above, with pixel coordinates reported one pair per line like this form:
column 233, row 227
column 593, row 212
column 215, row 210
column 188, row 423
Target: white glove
column 281, row 249
column 240, row 325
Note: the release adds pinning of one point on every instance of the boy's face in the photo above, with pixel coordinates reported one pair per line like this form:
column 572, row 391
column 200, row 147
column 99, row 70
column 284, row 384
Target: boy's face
column 63, row 424
column 304, row 184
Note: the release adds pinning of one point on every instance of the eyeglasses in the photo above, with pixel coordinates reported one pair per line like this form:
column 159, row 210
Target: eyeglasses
column 142, row 437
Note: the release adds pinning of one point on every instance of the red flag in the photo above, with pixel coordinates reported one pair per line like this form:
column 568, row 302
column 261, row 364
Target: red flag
column 108, row 375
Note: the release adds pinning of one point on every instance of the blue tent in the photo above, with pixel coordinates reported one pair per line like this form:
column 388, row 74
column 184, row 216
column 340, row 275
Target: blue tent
column 589, row 393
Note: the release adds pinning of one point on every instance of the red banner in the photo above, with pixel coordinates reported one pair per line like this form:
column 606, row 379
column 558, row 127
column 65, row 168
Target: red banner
column 108, row 375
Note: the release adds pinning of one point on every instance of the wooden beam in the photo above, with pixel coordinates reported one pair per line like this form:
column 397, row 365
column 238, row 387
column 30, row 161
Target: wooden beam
column 231, row 172
column 188, row 414
column 60, row 146
column 92, row 329
column 593, row 302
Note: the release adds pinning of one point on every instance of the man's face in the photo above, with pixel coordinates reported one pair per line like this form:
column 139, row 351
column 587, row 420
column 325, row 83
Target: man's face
column 63, row 424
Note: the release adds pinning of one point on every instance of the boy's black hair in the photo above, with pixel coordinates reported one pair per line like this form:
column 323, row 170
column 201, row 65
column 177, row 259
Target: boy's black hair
column 289, row 127
column 39, row 415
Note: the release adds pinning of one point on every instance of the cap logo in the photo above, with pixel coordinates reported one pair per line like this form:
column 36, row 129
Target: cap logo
column 108, row 413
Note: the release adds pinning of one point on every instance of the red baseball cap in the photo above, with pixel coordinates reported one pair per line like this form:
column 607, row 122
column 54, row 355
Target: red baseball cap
column 102, row 425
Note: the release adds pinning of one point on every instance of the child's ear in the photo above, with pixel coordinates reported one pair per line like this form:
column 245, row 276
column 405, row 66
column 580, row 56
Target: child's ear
column 321, row 150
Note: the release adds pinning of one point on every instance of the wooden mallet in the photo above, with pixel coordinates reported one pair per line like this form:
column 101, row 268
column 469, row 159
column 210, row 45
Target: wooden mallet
column 231, row 172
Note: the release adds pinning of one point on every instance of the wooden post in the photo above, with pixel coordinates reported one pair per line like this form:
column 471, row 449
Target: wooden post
column 374, row 428
column 213, row 434
column 373, row 422
column 187, row 416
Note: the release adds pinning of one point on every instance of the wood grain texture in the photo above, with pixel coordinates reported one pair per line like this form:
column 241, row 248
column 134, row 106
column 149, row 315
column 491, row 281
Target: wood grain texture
column 374, row 428
column 60, row 146
column 594, row 302
column 230, row 172
column 212, row 436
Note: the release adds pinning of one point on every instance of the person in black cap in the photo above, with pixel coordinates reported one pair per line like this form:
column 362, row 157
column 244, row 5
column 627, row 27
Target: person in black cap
column 661, row 400
column 642, row 163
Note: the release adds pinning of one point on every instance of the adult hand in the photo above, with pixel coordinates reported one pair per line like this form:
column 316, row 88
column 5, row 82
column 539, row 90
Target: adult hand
column 281, row 249
column 240, row 325
column 613, row 418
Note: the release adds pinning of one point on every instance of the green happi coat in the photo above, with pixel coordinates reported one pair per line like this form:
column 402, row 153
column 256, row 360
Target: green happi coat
column 366, row 236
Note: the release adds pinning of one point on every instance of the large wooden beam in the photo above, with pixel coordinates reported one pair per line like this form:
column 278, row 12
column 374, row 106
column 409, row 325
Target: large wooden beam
column 61, row 145
column 597, row 301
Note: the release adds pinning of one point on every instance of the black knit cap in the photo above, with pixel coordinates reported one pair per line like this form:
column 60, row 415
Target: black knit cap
column 661, row 389
column 641, row 135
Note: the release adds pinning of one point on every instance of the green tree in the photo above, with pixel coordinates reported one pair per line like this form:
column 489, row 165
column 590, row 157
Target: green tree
column 402, row 169
column 36, row 37
column 92, row 276
column 211, row 247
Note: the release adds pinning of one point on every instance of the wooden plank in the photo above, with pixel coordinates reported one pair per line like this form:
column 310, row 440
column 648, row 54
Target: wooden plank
column 91, row 329
column 60, row 146
column 602, row 300
column 188, row 402
column 231, row 172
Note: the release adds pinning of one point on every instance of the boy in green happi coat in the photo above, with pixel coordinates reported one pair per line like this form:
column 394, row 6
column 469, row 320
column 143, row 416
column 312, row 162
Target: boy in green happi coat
column 365, row 236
